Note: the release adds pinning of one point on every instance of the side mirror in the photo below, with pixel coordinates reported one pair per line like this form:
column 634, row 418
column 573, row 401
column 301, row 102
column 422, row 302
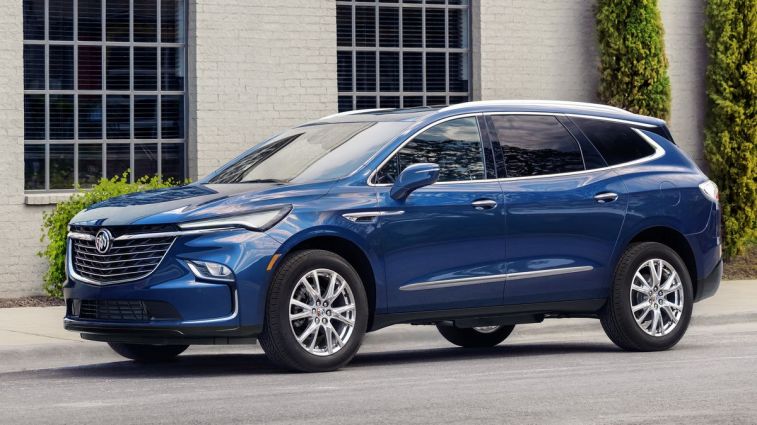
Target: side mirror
column 414, row 177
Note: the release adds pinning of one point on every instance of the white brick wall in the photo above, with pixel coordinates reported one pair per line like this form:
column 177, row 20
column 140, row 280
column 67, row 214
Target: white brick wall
column 261, row 66
column 20, row 268
column 536, row 50
column 687, row 53
column 547, row 50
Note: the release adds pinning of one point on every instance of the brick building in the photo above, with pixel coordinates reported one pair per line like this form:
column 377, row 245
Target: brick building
column 90, row 88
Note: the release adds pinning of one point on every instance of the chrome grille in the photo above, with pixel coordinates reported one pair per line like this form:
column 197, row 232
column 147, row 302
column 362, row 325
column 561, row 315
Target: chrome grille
column 127, row 259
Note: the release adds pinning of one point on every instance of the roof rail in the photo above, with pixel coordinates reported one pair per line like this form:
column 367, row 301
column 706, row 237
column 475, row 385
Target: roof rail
column 356, row 111
column 564, row 103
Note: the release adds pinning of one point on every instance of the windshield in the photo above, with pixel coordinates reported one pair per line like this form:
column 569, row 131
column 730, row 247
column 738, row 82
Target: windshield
column 311, row 153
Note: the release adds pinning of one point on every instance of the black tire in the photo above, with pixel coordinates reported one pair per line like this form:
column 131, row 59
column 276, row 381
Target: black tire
column 472, row 338
column 277, row 339
column 144, row 353
column 617, row 319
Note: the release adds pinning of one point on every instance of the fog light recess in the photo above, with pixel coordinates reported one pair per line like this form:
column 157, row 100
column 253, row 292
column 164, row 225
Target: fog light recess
column 211, row 271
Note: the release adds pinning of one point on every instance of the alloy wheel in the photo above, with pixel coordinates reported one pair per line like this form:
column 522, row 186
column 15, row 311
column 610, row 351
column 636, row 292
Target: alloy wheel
column 322, row 312
column 657, row 297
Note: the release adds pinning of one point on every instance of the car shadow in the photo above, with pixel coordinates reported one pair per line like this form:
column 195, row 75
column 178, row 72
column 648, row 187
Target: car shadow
column 213, row 365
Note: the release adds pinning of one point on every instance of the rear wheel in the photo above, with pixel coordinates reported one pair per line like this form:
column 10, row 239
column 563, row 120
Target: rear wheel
column 651, row 301
column 317, row 313
column 478, row 337
column 148, row 353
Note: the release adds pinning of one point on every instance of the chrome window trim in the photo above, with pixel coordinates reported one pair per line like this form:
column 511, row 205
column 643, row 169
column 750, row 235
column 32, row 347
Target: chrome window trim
column 659, row 150
column 495, row 278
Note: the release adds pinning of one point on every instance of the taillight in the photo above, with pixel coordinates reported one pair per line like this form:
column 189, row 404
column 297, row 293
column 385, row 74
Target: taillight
column 710, row 190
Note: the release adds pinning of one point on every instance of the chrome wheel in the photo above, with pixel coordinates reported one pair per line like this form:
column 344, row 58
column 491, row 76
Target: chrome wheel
column 322, row 312
column 656, row 297
column 486, row 329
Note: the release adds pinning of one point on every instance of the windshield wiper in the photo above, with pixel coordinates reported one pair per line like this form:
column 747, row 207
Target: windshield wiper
column 264, row 181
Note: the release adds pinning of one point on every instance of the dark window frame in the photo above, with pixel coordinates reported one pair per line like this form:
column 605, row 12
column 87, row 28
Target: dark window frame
column 352, row 98
column 163, row 146
column 500, row 157
column 629, row 127
column 485, row 143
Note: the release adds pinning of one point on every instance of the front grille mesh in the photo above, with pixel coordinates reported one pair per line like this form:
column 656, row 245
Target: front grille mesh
column 126, row 260
column 126, row 310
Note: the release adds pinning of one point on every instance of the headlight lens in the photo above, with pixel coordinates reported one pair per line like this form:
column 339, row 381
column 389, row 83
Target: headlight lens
column 209, row 270
column 259, row 220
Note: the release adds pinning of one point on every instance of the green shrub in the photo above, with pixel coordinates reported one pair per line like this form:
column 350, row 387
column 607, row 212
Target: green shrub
column 731, row 130
column 55, row 222
column 633, row 66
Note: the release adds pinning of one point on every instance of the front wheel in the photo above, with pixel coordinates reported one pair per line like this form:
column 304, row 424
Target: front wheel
column 148, row 353
column 478, row 337
column 317, row 313
column 650, row 305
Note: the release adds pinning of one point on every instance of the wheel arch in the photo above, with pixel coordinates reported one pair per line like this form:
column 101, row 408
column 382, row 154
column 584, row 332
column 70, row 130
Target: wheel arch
column 347, row 249
column 674, row 239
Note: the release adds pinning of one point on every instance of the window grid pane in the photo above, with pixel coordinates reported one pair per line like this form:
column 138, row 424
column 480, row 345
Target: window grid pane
column 409, row 53
column 93, row 109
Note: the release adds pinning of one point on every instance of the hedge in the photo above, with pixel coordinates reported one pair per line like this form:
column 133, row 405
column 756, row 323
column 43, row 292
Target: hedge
column 731, row 128
column 55, row 222
column 633, row 66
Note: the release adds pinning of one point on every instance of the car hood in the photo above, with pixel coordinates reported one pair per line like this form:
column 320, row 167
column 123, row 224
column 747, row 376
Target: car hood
column 193, row 202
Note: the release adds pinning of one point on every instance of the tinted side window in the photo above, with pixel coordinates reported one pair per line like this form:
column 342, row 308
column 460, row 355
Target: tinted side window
column 536, row 145
column 617, row 142
column 455, row 145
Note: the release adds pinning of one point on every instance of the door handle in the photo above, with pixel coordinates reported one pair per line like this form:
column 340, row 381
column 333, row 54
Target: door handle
column 484, row 204
column 605, row 197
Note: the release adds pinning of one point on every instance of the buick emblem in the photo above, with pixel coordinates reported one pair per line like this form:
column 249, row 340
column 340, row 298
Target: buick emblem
column 102, row 241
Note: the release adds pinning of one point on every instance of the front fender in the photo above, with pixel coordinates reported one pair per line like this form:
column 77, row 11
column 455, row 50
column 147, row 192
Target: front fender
column 361, row 236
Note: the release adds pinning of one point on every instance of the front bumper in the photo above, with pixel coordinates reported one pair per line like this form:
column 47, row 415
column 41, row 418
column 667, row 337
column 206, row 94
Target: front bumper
column 171, row 305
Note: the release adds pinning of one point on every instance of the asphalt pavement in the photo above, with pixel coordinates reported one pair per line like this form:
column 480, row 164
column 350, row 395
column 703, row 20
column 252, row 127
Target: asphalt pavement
column 562, row 371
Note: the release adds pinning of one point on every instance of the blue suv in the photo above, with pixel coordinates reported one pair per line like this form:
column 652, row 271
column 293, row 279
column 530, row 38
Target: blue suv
column 472, row 218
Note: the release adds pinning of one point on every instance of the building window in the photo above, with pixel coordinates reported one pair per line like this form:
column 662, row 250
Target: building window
column 104, row 91
column 402, row 53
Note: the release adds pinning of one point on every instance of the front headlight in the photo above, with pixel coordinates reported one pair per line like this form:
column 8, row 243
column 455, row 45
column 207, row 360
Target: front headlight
column 259, row 220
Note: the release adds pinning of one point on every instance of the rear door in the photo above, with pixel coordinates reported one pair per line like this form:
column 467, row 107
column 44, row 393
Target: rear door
column 447, row 248
column 562, row 219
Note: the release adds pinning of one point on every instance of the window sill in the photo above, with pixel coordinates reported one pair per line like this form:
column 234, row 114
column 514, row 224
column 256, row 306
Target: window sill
column 47, row 198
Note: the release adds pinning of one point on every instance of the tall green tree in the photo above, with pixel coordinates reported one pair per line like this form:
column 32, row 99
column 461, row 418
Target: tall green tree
column 731, row 130
column 633, row 66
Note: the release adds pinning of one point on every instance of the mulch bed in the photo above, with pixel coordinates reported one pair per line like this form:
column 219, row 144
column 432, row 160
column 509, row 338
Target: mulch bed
column 742, row 267
column 35, row 301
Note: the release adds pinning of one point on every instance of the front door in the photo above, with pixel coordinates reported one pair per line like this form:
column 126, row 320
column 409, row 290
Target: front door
column 446, row 249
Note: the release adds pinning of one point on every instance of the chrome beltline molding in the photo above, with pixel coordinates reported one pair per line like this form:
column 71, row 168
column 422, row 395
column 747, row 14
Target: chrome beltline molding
column 494, row 278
